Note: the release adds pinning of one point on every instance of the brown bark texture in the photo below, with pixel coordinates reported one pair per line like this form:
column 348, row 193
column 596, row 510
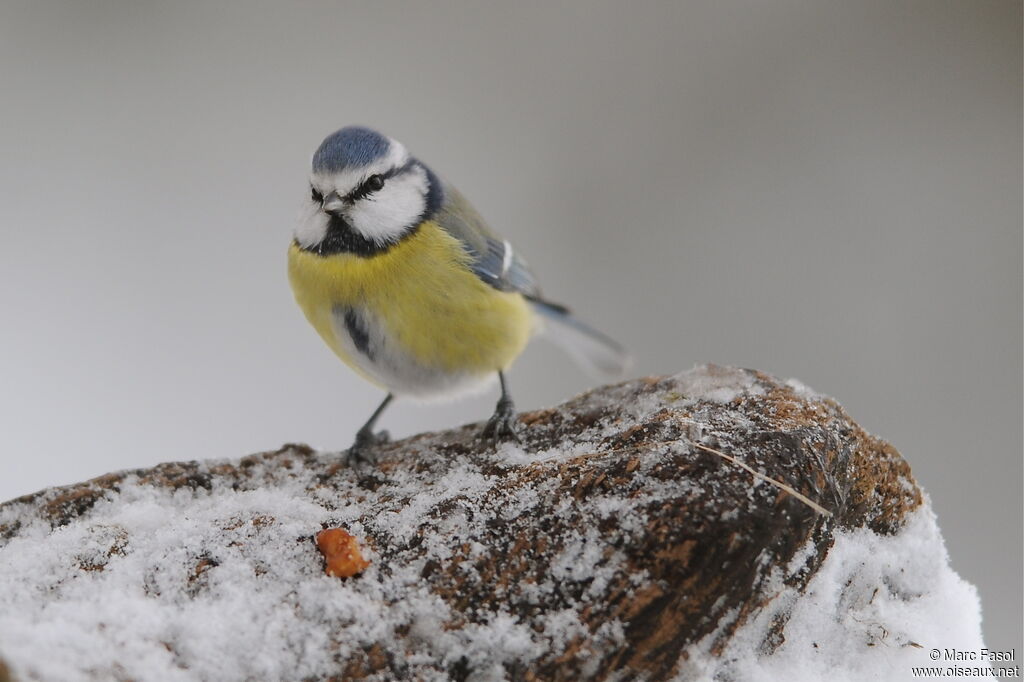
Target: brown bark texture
column 611, row 540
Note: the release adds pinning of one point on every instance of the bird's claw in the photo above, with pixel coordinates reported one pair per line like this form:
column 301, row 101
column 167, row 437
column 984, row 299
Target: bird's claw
column 362, row 450
column 503, row 424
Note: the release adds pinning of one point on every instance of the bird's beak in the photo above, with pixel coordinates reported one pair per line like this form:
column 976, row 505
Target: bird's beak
column 333, row 203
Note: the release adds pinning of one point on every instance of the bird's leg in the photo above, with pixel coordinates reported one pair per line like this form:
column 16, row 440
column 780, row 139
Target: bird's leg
column 366, row 438
column 503, row 424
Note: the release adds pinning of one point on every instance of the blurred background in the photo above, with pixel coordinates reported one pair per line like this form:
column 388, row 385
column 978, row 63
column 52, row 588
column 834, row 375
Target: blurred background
column 828, row 190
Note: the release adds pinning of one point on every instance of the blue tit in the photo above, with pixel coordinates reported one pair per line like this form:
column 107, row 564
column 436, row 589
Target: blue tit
column 409, row 286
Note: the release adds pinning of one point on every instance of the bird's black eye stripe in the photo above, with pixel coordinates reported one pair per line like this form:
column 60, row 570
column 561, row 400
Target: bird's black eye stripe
column 375, row 182
column 372, row 184
column 315, row 195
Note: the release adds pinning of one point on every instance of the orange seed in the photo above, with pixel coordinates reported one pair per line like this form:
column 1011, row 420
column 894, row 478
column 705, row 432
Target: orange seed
column 341, row 552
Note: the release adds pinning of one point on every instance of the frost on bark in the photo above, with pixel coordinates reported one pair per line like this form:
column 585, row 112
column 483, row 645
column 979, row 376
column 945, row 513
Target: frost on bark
column 612, row 543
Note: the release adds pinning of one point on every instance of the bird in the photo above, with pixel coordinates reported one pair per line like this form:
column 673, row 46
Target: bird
column 409, row 286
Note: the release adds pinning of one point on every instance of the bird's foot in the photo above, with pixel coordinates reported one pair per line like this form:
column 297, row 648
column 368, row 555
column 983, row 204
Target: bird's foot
column 362, row 450
column 504, row 424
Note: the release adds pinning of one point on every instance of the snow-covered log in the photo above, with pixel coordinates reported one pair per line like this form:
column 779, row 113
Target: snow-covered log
column 717, row 524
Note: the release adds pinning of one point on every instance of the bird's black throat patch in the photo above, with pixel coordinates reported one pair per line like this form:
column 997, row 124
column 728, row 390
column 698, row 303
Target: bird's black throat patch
column 343, row 238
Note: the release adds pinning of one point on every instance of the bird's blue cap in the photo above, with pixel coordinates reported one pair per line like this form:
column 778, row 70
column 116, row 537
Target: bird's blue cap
column 350, row 147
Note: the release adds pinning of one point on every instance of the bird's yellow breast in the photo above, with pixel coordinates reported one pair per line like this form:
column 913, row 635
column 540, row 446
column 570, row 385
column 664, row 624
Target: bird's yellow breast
column 423, row 294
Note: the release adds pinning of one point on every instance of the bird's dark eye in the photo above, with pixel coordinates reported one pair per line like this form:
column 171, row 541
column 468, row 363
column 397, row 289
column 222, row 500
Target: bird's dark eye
column 368, row 187
column 315, row 195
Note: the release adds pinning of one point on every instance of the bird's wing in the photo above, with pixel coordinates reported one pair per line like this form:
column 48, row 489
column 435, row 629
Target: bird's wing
column 492, row 258
column 494, row 261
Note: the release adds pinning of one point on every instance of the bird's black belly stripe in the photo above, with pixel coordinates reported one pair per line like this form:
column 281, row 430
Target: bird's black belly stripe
column 360, row 337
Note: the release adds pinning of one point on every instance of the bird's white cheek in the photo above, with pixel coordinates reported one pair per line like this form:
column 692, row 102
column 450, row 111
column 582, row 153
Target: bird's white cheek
column 311, row 227
column 387, row 214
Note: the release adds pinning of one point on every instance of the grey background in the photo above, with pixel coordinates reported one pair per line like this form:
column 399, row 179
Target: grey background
column 824, row 190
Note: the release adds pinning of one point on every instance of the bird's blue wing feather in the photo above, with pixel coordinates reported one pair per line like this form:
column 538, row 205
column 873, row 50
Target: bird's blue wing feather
column 502, row 268
column 493, row 259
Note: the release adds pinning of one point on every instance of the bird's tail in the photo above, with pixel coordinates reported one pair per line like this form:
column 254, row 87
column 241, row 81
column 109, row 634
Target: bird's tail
column 597, row 354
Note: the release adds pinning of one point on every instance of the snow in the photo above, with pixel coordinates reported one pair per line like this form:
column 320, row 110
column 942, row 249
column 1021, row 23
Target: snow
column 225, row 583
column 122, row 584
column 875, row 609
column 716, row 384
column 802, row 389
